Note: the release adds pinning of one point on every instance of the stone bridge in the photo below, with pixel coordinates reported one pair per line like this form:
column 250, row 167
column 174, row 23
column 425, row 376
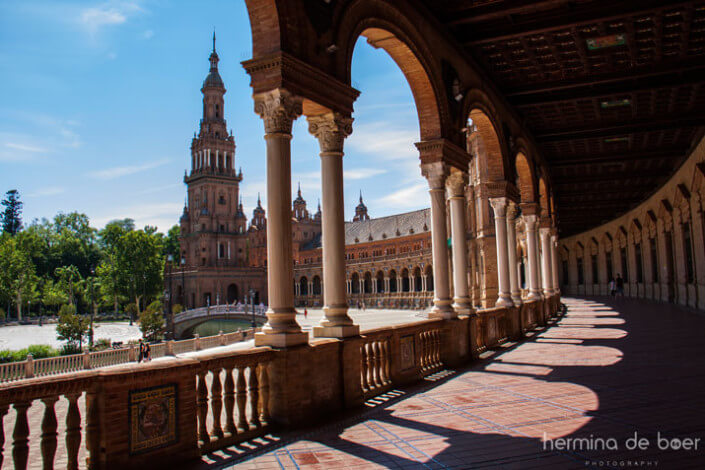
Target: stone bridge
column 186, row 321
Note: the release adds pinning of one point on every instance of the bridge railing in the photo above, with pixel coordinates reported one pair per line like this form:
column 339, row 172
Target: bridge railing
column 219, row 310
column 30, row 367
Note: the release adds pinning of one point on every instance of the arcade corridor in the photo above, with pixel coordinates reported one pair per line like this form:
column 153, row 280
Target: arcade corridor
column 603, row 371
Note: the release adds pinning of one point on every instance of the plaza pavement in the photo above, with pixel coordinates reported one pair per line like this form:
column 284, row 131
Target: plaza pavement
column 604, row 371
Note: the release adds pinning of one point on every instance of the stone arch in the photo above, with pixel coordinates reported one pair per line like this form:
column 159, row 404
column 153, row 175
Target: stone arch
column 393, row 281
column 418, row 284
column 405, row 284
column 264, row 22
column 386, row 27
column 303, row 285
column 316, row 285
column 367, row 283
column 429, row 278
column 379, row 279
column 232, row 293
column 355, row 283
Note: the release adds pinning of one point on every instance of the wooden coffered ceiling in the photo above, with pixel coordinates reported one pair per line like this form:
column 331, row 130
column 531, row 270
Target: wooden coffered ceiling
column 612, row 91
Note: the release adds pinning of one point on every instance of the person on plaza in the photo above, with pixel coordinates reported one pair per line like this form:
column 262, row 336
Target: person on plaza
column 620, row 285
column 613, row 287
column 147, row 352
column 141, row 351
column 305, row 312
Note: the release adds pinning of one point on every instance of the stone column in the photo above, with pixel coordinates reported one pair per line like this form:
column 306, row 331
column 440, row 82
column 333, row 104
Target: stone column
column 697, row 219
column 554, row 264
column 499, row 206
column 532, row 255
column 386, row 284
column 547, row 276
column 279, row 109
column 436, row 174
column 331, row 129
column 458, row 206
column 310, row 288
column 512, row 252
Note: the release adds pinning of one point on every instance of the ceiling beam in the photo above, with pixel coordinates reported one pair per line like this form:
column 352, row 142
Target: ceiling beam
column 668, row 75
column 560, row 19
column 617, row 158
column 675, row 121
column 621, row 177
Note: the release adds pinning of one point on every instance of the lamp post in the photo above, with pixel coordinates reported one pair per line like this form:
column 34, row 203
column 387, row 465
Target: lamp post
column 183, row 283
column 252, row 304
column 167, row 296
column 90, row 328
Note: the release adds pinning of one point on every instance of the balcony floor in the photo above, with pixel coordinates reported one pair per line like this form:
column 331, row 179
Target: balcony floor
column 604, row 371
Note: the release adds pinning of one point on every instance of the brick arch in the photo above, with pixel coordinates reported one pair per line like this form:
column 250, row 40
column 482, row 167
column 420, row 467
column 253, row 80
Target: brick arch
column 525, row 178
column 388, row 28
column 266, row 31
column 492, row 163
column 544, row 202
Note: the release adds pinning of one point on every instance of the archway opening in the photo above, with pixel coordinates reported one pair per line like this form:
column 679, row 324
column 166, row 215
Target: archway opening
column 232, row 293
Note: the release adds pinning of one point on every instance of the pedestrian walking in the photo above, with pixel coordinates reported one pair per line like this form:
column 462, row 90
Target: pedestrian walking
column 147, row 352
column 305, row 312
column 613, row 287
column 140, row 356
column 620, row 285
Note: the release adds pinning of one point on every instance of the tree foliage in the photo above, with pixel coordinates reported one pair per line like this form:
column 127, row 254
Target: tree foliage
column 152, row 322
column 71, row 327
column 11, row 217
column 18, row 281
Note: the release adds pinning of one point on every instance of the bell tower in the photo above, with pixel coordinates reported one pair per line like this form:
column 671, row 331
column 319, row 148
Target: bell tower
column 212, row 217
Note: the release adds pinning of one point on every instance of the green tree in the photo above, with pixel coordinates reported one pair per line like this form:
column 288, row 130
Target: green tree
column 18, row 281
column 71, row 327
column 12, row 214
column 139, row 265
column 70, row 281
column 152, row 322
column 52, row 294
column 171, row 243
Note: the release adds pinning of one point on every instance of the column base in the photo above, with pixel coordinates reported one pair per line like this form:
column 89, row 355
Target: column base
column 343, row 331
column 462, row 306
column 516, row 298
column 504, row 301
column 442, row 309
column 281, row 340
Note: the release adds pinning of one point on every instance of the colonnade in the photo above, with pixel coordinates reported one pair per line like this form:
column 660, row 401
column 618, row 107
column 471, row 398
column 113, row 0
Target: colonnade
column 447, row 188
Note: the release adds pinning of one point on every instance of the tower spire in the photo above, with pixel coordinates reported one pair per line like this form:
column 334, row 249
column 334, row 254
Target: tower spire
column 213, row 40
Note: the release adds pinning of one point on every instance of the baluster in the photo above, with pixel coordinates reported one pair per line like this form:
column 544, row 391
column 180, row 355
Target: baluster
column 241, row 399
column 253, row 392
column 92, row 429
column 376, row 365
column 370, row 366
column 73, row 431
column 202, row 406
column 20, row 441
column 3, row 412
column 388, row 363
column 229, row 401
column 216, row 403
column 384, row 369
column 422, row 340
column 48, row 438
column 264, row 392
column 438, row 347
column 363, row 369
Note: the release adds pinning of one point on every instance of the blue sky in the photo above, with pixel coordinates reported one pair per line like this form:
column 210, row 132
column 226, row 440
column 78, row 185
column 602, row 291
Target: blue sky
column 99, row 102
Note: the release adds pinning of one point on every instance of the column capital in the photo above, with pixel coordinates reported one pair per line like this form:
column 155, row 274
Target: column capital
column 330, row 129
column 530, row 221
column 456, row 183
column 512, row 210
column 499, row 206
column 278, row 109
column 436, row 173
column 545, row 231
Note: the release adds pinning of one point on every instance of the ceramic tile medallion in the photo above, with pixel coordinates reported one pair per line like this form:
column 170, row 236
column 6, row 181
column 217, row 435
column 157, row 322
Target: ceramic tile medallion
column 152, row 418
column 406, row 346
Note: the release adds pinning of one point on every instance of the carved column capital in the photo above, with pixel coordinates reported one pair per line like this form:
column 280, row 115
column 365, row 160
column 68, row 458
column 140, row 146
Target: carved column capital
column 530, row 221
column 456, row 183
column 436, row 174
column 278, row 109
column 499, row 206
column 512, row 210
column 330, row 129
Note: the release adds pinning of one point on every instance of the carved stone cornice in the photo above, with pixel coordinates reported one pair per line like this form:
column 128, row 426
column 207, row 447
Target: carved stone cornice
column 436, row 174
column 278, row 109
column 282, row 70
column 529, row 208
column 443, row 150
column 512, row 210
column 330, row 129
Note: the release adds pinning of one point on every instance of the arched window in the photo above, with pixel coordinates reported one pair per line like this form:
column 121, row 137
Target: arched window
column 355, row 280
column 303, row 286
column 392, row 281
column 368, row 283
column 316, row 285
column 380, row 281
column 405, row 285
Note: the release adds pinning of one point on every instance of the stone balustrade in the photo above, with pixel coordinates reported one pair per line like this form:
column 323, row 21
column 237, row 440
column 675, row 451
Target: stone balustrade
column 215, row 398
column 31, row 367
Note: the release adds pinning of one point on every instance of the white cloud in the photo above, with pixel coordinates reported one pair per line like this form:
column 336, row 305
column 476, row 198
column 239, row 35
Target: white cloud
column 25, row 147
column 158, row 189
column 406, row 198
column 162, row 215
column 107, row 14
column 120, row 171
column 362, row 173
column 384, row 142
column 149, row 34
column 48, row 191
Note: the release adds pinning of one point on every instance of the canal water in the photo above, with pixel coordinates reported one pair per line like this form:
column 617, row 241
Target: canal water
column 213, row 327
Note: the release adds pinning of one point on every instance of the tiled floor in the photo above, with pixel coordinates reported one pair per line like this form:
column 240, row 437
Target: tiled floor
column 601, row 374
